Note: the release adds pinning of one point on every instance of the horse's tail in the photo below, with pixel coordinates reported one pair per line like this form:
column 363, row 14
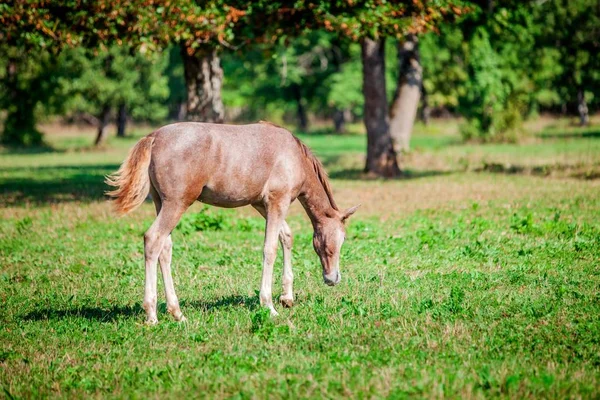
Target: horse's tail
column 131, row 181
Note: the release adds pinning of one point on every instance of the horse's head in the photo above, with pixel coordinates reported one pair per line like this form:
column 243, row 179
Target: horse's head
column 327, row 240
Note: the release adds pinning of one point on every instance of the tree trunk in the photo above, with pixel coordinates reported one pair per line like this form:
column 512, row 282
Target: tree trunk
column 403, row 111
column 301, row 111
column 121, row 121
column 203, row 80
column 381, row 157
column 102, row 124
column 425, row 107
column 582, row 108
column 340, row 117
column 563, row 109
column 181, row 111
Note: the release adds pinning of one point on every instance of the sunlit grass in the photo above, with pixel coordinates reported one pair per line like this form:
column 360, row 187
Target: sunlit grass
column 455, row 284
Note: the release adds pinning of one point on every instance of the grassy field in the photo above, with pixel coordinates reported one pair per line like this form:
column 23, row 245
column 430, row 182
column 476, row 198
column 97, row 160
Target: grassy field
column 476, row 275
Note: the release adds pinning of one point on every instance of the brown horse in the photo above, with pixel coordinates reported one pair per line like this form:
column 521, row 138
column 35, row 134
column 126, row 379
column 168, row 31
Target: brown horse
column 261, row 165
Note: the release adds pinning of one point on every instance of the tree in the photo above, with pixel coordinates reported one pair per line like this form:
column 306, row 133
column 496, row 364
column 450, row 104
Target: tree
column 362, row 21
column 26, row 78
column 370, row 22
column 573, row 29
column 119, row 76
column 287, row 79
column 204, row 79
column 403, row 110
column 507, row 60
column 381, row 157
column 198, row 27
column 444, row 71
column 24, row 84
column 345, row 87
column 202, row 28
column 490, row 68
column 121, row 120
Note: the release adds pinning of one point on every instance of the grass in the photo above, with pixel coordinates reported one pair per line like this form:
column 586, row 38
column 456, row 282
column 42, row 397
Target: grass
column 457, row 282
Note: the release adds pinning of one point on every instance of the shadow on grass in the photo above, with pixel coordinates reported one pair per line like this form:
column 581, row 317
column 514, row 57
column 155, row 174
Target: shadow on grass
column 110, row 314
column 248, row 302
column 42, row 149
column 348, row 169
column 54, row 184
column 29, row 150
column 91, row 313
column 582, row 133
column 583, row 172
column 325, row 131
column 359, row 174
column 511, row 169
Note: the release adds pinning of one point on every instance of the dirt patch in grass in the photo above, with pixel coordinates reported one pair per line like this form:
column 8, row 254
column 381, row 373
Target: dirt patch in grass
column 385, row 199
column 389, row 199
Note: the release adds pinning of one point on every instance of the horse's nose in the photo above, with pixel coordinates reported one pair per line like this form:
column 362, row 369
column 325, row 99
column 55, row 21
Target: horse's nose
column 333, row 278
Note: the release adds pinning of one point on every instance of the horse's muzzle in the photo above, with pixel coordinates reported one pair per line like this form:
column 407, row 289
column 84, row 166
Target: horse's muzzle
column 333, row 278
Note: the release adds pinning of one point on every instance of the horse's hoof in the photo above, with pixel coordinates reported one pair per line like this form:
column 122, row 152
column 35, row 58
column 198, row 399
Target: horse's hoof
column 151, row 322
column 177, row 315
column 274, row 313
column 287, row 303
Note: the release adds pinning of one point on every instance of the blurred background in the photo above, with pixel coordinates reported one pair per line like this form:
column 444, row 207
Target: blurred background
column 469, row 71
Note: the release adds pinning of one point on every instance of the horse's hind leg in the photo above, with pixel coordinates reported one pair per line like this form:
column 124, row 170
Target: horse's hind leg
column 164, row 260
column 157, row 240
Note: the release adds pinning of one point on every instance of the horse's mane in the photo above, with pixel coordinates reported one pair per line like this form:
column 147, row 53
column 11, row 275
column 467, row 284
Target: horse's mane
column 319, row 170
column 270, row 123
column 316, row 164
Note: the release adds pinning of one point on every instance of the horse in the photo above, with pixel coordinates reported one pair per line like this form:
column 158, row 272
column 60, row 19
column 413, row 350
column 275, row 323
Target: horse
column 261, row 165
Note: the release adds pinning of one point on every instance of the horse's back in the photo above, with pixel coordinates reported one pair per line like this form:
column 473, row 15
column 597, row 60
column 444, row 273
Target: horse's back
column 230, row 165
column 257, row 137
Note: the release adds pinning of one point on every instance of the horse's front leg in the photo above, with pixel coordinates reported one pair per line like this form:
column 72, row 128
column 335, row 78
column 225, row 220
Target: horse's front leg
column 275, row 218
column 285, row 237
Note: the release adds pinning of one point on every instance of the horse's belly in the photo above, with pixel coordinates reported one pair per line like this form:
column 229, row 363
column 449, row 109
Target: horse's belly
column 227, row 199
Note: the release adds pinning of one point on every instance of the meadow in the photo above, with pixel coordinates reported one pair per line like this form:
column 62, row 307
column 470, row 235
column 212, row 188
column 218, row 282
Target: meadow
column 476, row 275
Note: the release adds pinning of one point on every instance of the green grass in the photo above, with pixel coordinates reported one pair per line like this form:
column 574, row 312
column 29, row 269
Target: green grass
column 464, row 284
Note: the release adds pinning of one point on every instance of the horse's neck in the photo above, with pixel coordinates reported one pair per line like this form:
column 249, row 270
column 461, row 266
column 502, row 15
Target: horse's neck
column 315, row 201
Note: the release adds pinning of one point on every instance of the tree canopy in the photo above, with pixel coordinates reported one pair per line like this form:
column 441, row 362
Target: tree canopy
column 228, row 23
column 493, row 63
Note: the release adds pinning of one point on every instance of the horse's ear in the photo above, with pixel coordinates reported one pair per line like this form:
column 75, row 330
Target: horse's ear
column 347, row 213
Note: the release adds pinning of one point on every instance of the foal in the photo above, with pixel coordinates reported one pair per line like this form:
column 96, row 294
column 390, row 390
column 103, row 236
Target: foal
column 261, row 165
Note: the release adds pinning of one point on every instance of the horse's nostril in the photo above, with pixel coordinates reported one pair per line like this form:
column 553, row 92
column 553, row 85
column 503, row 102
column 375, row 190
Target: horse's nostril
column 332, row 280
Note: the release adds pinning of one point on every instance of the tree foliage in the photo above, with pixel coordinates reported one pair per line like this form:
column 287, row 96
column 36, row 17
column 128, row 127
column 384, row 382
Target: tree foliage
column 259, row 81
column 572, row 29
column 27, row 85
column 113, row 77
column 495, row 63
column 501, row 64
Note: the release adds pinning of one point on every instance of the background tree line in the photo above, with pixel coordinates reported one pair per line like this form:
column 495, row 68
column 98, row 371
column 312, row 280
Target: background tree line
column 493, row 63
